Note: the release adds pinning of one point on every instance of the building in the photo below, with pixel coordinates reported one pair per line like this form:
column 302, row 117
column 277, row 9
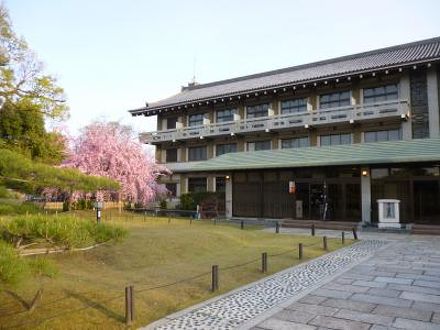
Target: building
column 343, row 133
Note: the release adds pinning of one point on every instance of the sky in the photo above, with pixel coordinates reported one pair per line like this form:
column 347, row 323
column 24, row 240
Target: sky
column 111, row 56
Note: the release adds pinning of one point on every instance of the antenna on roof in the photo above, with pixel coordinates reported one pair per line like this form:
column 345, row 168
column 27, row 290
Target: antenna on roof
column 194, row 70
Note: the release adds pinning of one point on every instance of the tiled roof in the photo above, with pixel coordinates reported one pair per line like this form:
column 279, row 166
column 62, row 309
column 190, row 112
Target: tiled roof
column 392, row 152
column 401, row 55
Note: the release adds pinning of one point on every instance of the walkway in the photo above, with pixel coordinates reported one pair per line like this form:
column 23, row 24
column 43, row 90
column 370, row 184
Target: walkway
column 374, row 284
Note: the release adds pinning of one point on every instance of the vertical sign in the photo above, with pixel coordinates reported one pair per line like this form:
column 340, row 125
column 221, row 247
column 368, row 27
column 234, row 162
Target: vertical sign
column 292, row 187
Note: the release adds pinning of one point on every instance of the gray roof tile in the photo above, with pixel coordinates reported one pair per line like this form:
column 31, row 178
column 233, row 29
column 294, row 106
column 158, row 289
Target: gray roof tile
column 407, row 54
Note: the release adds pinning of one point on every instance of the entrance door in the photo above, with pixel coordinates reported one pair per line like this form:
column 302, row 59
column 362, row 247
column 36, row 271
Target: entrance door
column 427, row 202
column 316, row 201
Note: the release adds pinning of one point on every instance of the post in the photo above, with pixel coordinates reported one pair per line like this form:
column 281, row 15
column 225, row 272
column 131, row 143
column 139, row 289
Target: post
column 300, row 251
column 215, row 221
column 324, row 243
column 169, row 219
column 264, row 262
column 277, row 228
column 355, row 235
column 132, row 302
column 214, row 278
column 191, row 221
column 343, row 237
column 242, row 225
column 313, row 229
column 128, row 305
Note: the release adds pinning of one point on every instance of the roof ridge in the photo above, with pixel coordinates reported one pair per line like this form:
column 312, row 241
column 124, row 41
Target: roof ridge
column 313, row 64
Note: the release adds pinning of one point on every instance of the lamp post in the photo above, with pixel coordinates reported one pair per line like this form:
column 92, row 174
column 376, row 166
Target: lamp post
column 98, row 207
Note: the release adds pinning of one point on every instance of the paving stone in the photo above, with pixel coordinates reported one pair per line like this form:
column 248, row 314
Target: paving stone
column 311, row 299
column 382, row 292
column 381, row 327
column 430, row 284
column 420, row 277
column 294, row 316
column 364, row 317
column 413, row 324
column 381, row 300
column 400, row 270
column 342, row 280
column 335, row 323
column 421, row 297
column 414, row 288
column 313, row 309
column 409, row 313
column 332, row 293
column 393, row 280
column 349, row 304
column 346, row 287
column 274, row 324
column 426, row 306
column 370, row 284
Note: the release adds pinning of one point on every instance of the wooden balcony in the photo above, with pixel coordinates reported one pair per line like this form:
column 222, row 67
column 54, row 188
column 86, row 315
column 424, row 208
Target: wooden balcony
column 349, row 114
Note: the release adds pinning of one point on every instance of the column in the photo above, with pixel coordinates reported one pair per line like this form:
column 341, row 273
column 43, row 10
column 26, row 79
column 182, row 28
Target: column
column 405, row 94
column 433, row 103
column 366, row 195
column 228, row 197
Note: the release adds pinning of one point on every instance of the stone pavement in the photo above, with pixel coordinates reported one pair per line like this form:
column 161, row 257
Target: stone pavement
column 397, row 288
column 387, row 283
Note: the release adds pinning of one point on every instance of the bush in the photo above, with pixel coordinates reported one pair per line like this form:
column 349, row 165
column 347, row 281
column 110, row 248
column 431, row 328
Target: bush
column 65, row 231
column 16, row 209
column 163, row 204
column 191, row 200
column 5, row 193
column 14, row 269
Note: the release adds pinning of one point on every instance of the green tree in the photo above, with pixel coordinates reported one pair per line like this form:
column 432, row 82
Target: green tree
column 22, row 76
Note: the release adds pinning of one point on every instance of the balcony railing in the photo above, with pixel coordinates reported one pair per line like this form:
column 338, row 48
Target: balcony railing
column 352, row 114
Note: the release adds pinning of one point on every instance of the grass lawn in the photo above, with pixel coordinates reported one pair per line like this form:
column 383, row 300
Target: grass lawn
column 89, row 289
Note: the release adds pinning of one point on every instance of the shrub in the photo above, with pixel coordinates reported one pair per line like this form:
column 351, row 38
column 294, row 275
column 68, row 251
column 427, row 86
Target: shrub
column 191, row 200
column 15, row 209
column 14, row 269
column 65, row 231
column 163, row 204
column 5, row 193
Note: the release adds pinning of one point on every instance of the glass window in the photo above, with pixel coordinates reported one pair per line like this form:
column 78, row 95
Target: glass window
column 256, row 111
column 380, row 93
column 197, row 153
column 221, row 149
column 379, row 173
column 220, row 184
column 334, row 100
column 259, row 145
column 384, row 135
column 171, row 122
column 172, row 189
column 294, row 106
column 298, row 142
column 335, row 139
column 225, row 115
column 195, row 120
column 197, row 184
column 171, row 155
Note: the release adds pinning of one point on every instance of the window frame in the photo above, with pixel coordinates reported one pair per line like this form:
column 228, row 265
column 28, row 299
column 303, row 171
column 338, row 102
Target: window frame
column 259, row 142
column 224, row 144
column 388, row 131
column 385, row 94
column 331, row 138
column 293, row 108
column 173, row 192
column 204, row 153
column 205, row 184
column 232, row 111
column 294, row 140
column 176, row 158
column 329, row 104
column 256, row 110
column 194, row 115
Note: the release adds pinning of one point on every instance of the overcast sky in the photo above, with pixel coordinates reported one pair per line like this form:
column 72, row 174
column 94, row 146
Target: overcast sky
column 111, row 56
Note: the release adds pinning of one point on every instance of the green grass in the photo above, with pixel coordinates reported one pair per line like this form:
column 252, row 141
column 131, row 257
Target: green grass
column 88, row 291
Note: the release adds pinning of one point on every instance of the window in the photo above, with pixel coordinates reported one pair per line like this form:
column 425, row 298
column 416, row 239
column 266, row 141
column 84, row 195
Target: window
column 298, row 142
column 259, row 145
column 334, row 100
column 195, row 120
column 225, row 115
column 196, row 184
column 335, row 139
column 380, row 94
column 172, row 189
column 256, row 111
column 386, row 135
column 197, row 153
column 293, row 106
column 221, row 149
column 171, row 122
column 171, row 155
column 220, row 184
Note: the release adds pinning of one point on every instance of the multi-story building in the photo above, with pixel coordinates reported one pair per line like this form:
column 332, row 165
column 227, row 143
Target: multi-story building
column 352, row 130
